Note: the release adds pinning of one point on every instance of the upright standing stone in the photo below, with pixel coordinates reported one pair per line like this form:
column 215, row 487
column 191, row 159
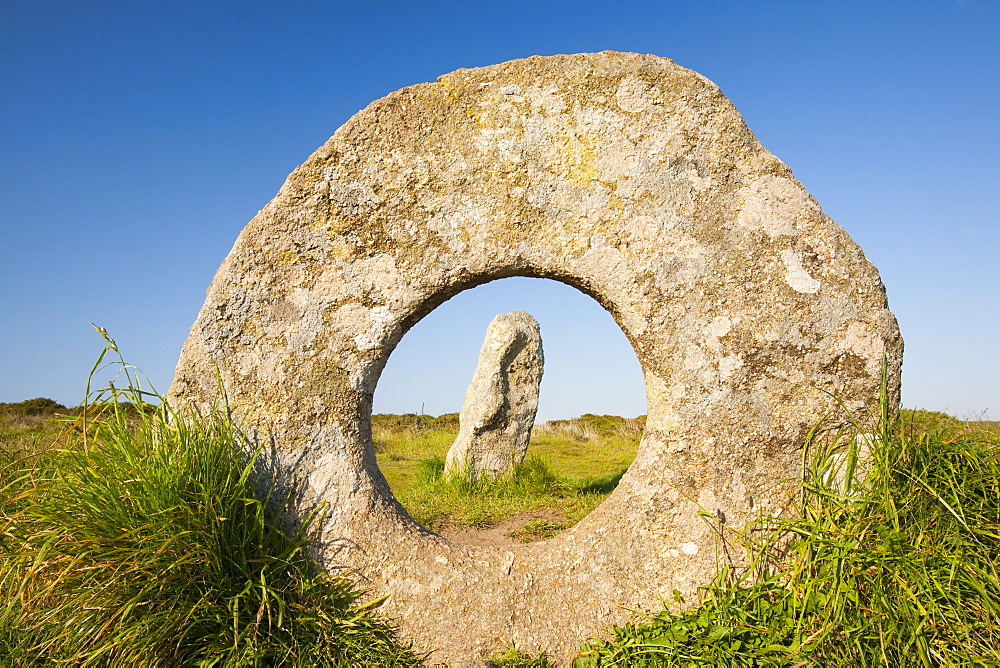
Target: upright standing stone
column 501, row 401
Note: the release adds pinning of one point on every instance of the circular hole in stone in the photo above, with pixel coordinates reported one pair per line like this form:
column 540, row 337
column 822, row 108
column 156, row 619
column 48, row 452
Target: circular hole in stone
column 591, row 415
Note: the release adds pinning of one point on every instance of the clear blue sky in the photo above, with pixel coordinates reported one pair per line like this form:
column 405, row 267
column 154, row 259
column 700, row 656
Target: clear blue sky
column 138, row 138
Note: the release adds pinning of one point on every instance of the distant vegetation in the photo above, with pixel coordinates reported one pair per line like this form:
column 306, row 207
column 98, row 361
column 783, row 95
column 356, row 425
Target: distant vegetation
column 39, row 406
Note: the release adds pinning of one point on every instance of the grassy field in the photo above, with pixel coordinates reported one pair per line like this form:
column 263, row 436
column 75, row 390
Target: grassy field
column 572, row 465
column 137, row 540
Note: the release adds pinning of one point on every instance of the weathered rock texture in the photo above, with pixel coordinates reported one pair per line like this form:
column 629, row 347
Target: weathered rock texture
column 502, row 400
column 624, row 175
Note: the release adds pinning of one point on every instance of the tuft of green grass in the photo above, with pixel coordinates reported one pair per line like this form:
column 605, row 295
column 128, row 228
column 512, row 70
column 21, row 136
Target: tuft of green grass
column 894, row 560
column 539, row 529
column 139, row 540
column 515, row 658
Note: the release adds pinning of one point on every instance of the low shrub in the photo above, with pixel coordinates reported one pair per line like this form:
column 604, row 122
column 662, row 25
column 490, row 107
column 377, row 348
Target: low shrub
column 37, row 406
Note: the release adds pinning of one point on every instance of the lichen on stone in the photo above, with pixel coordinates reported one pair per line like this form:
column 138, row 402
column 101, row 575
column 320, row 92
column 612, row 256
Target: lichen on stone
column 753, row 315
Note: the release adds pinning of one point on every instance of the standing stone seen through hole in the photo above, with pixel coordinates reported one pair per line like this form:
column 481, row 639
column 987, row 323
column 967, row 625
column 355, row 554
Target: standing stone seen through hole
column 501, row 401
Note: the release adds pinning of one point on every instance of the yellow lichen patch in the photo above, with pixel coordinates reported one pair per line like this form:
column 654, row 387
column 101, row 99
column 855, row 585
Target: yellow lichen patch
column 448, row 87
column 252, row 327
column 579, row 160
column 285, row 258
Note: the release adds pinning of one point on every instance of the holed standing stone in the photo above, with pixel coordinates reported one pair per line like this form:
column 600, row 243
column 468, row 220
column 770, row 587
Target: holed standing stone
column 754, row 317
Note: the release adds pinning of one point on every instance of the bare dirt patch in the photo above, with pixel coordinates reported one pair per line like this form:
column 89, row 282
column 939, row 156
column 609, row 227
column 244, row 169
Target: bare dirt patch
column 528, row 527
